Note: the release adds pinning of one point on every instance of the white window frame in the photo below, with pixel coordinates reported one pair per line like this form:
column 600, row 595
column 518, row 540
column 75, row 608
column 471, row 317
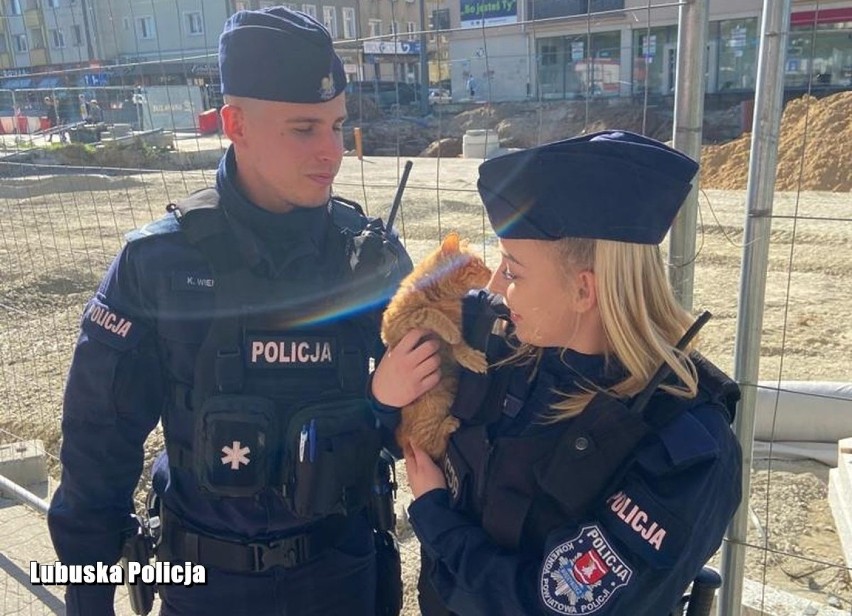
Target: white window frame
column 14, row 7
column 141, row 28
column 22, row 45
column 57, row 38
column 375, row 27
column 410, row 29
column 329, row 20
column 77, row 35
column 349, row 30
column 191, row 17
column 394, row 28
column 38, row 39
column 310, row 9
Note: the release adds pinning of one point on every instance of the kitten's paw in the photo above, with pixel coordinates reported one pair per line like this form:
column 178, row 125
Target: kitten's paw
column 471, row 359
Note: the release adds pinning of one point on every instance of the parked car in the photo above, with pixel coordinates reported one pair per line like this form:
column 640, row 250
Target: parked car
column 439, row 95
column 386, row 94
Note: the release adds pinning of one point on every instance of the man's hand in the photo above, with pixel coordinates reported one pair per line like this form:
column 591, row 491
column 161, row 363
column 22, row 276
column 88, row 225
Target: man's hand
column 423, row 474
column 408, row 370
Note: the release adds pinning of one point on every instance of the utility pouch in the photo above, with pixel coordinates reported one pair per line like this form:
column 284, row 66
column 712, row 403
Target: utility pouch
column 595, row 446
column 137, row 549
column 388, row 574
column 331, row 448
column 459, row 476
column 231, row 448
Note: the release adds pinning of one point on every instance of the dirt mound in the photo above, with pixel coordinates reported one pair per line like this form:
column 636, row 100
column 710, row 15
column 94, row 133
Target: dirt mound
column 524, row 125
column 814, row 149
column 527, row 124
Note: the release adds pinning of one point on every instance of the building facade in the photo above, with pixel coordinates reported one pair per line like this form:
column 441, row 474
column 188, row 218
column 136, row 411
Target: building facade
column 40, row 40
column 563, row 49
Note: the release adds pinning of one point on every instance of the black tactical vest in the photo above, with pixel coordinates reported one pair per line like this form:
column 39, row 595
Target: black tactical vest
column 277, row 396
column 522, row 487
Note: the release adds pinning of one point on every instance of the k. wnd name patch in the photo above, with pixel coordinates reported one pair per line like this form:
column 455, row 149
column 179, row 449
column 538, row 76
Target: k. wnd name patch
column 193, row 281
column 290, row 351
column 582, row 575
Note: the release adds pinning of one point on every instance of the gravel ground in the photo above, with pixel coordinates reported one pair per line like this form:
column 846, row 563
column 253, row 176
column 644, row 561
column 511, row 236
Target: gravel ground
column 58, row 234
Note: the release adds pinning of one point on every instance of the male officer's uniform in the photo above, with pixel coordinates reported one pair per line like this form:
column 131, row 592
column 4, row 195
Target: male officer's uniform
column 615, row 510
column 250, row 333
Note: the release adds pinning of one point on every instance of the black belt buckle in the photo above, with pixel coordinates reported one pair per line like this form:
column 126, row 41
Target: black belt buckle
column 287, row 553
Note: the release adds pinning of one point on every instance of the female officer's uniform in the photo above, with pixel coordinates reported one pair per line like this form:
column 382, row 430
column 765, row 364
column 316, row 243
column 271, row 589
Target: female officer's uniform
column 611, row 512
column 250, row 333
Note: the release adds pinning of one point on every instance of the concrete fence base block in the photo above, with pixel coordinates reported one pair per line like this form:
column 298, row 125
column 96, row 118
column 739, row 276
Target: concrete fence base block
column 840, row 497
column 24, row 463
column 760, row 600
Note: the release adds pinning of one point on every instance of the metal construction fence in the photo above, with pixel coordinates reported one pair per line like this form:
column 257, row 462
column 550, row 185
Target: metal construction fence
column 62, row 223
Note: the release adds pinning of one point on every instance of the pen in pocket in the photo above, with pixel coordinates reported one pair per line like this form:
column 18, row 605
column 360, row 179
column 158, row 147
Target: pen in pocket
column 303, row 439
column 312, row 440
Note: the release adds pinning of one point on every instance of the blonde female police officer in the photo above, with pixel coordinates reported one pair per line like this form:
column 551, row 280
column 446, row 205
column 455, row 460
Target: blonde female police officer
column 246, row 319
column 573, row 486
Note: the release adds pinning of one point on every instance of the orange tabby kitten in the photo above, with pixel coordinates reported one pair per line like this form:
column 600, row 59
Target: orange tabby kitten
column 430, row 297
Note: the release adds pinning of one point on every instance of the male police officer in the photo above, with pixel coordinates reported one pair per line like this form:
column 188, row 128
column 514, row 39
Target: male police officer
column 246, row 319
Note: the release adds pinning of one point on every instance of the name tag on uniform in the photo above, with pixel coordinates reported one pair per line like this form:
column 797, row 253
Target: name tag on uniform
column 193, row 281
column 277, row 351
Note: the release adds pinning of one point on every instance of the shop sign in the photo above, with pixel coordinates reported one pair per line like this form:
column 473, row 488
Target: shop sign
column 478, row 13
column 392, row 47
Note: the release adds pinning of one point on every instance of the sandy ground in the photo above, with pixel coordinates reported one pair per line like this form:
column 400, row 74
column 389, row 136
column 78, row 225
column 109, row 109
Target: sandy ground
column 58, row 234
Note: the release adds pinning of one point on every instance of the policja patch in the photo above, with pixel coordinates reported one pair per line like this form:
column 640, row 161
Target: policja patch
column 110, row 326
column 582, row 574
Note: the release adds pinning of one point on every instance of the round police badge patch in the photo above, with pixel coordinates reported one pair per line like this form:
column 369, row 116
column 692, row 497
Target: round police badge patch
column 581, row 575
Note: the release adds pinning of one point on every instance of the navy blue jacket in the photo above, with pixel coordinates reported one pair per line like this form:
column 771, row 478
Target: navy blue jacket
column 633, row 554
column 140, row 335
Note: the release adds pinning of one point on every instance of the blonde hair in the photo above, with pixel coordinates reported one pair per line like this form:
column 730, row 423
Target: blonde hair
column 642, row 320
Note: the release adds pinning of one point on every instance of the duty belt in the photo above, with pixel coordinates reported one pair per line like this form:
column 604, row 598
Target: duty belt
column 180, row 544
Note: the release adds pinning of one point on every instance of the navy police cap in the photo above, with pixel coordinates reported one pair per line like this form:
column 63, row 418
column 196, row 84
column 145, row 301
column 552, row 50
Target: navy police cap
column 276, row 54
column 612, row 185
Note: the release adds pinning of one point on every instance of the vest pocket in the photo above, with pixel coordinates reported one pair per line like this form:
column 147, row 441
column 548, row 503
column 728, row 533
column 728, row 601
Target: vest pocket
column 330, row 455
column 232, row 445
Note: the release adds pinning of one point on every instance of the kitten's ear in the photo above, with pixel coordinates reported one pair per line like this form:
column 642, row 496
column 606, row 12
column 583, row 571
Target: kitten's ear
column 450, row 243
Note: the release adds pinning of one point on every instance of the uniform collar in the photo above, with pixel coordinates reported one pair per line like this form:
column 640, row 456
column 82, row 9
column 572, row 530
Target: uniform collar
column 569, row 368
column 270, row 240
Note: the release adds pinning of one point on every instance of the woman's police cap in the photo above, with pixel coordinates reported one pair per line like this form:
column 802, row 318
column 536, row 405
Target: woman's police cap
column 276, row 54
column 611, row 185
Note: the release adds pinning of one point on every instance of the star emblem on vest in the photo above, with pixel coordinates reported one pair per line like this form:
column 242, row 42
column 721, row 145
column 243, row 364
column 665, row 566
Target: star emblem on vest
column 235, row 455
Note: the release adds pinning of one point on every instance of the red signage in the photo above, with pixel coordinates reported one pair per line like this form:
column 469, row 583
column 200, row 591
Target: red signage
column 823, row 16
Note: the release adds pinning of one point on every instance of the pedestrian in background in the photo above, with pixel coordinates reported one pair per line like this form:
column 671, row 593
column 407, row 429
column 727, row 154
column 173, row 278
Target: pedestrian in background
column 52, row 117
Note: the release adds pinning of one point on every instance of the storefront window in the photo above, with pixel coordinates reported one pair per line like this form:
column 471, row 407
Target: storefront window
column 737, row 54
column 819, row 57
column 653, row 53
column 579, row 65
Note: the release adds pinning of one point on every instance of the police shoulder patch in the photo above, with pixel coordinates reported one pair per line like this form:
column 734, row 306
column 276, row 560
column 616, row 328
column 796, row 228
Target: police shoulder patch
column 111, row 327
column 582, row 575
column 644, row 526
